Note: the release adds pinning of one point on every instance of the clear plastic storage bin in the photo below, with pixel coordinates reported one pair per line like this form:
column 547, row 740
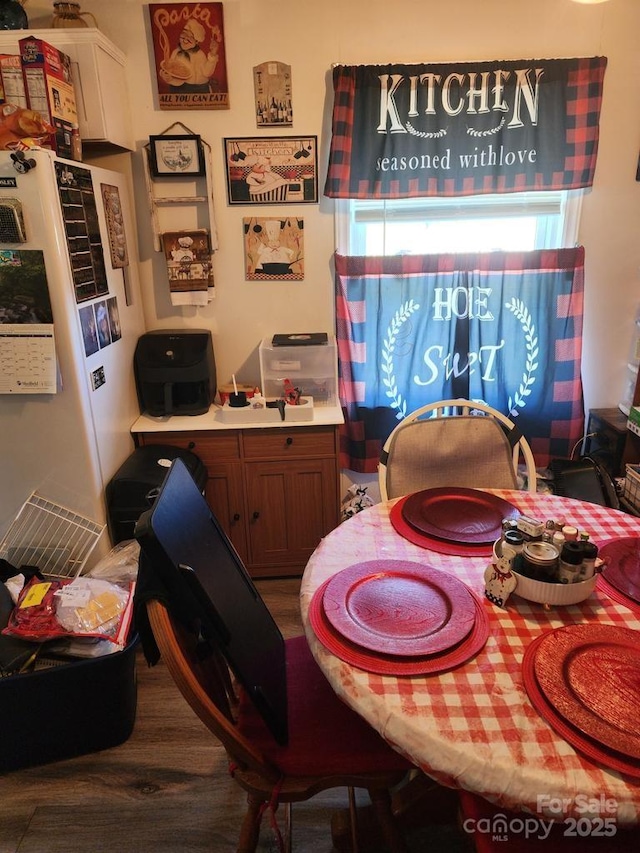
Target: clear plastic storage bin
column 631, row 486
column 631, row 377
column 311, row 368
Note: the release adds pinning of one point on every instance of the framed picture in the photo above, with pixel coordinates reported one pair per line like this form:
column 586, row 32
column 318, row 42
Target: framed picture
column 115, row 226
column 272, row 170
column 190, row 56
column 274, row 248
column 176, row 156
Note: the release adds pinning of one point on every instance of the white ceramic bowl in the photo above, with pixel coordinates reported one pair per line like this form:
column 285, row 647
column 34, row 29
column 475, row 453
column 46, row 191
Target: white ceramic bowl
column 551, row 594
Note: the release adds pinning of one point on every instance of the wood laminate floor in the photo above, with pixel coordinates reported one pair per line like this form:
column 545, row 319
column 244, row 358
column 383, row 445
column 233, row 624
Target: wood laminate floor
column 167, row 789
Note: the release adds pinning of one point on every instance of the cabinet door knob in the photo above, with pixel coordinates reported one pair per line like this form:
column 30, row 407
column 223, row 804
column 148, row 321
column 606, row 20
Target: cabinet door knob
column 256, row 515
column 289, row 440
column 191, row 445
column 236, row 516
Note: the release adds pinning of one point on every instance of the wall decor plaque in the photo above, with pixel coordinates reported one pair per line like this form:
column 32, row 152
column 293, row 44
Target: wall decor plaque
column 115, row 226
column 189, row 53
column 274, row 248
column 272, row 170
column 272, row 88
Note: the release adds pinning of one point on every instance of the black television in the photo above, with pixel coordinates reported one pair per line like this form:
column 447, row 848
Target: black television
column 185, row 545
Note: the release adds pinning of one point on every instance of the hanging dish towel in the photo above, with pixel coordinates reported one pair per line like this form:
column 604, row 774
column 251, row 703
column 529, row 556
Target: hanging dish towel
column 189, row 266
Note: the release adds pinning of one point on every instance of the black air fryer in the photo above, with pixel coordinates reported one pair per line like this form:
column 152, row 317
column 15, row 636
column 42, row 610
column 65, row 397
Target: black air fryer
column 175, row 372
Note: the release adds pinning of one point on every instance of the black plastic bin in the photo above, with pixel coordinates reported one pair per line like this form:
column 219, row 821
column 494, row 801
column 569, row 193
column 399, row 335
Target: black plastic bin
column 133, row 488
column 71, row 709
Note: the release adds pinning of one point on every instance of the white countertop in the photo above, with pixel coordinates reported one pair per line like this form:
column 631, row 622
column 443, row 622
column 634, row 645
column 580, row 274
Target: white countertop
column 322, row 416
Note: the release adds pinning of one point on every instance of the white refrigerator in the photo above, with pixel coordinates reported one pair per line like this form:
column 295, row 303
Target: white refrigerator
column 66, row 445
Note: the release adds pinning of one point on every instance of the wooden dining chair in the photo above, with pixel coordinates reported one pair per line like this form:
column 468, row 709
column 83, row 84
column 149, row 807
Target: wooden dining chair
column 286, row 733
column 503, row 831
column 454, row 443
column 329, row 745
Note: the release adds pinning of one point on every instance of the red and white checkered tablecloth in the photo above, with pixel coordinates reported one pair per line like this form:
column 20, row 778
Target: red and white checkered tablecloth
column 474, row 727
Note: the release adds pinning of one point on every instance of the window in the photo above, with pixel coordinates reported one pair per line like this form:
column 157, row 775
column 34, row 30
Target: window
column 508, row 222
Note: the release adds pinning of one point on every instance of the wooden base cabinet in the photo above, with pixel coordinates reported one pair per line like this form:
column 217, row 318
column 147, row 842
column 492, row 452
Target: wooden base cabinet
column 275, row 491
column 225, row 495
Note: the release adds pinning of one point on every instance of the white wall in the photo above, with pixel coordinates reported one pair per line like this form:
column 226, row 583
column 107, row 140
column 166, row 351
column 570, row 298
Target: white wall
column 310, row 36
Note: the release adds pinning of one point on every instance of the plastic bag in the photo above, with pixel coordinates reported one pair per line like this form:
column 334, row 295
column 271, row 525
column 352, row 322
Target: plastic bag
column 120, row 564
column 72, row 607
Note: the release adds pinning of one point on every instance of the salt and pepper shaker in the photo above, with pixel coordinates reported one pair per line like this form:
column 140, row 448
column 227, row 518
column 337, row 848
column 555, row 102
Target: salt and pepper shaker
column 514, row 539
column 554, row 552
column 570, row 562
column 499, row 580
column 589, row 557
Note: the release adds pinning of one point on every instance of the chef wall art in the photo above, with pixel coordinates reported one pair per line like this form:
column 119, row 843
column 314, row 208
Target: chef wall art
column 274, row 249
column 272, row 170
column 189, row 52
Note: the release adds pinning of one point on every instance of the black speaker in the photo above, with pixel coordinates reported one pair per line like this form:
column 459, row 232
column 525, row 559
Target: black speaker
column 11, row 221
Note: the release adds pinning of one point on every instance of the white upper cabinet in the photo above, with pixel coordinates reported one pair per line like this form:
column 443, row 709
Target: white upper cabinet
column 99, row 72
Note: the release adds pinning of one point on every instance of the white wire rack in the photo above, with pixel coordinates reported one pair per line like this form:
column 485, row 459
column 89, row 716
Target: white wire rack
column 55, row 539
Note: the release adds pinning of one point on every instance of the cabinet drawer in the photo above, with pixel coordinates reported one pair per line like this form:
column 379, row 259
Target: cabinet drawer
column 289, row 444
column 222, row 447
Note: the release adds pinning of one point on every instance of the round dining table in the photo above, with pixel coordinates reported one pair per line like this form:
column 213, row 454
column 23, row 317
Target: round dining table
column 474, row 726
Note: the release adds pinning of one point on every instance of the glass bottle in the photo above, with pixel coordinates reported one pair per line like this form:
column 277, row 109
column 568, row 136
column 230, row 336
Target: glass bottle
column 570, row 562
column 589, row 555
column 12, row 15
column 68, row 15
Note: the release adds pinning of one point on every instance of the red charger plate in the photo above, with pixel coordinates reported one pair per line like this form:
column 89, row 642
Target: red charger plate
column 592, row 749
column 438, row 545
column 399, row 607
column 623, row 565
column 458, row 515
column 591, row 675
column 382, row 664
column 603, row 585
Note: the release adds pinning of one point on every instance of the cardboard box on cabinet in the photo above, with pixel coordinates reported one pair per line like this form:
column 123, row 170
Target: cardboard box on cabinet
column 13, row 91
column 49, row 90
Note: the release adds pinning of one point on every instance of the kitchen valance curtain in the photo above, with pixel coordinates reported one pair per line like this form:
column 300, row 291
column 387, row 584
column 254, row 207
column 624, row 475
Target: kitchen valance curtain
column 464, row 128
column 502, row 327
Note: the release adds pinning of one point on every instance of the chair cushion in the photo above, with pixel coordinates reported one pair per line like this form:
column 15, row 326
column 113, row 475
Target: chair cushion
column 503, row 832
column 464, row 451
column 325, row 736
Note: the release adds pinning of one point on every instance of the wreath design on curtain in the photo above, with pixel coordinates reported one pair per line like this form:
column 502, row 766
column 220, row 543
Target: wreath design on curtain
column 388, row 348
column 403, row 314
column 522, row 313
